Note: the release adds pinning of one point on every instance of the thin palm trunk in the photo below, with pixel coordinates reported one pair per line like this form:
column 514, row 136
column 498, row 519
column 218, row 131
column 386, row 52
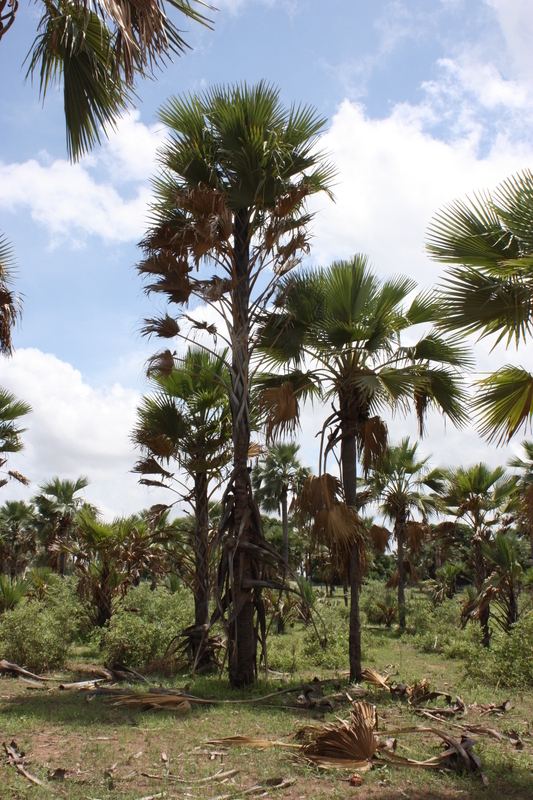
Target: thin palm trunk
column 399, row 530
column 349, row 479
column 201, row 587
column 242, row 656
column 285, row 524
column 103, row 614
column 480, row 578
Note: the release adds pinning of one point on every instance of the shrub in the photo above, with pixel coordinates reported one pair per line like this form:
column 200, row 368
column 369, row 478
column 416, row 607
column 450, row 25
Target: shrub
column 33, row 636
column 509, row 660
column 144, row 623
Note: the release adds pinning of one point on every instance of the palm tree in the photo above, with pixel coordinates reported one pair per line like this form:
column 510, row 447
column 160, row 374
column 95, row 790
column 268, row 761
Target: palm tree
column 58, row 506
column 187, row 421
column 346, row 324
column 11, row 410
column 10, row 305
column 525, row 487
column 18, row 536
column 397, row 483
column 108, row 558
column 97, row 51
column 230, row 200
column 272, row 479
column 489, row 290
column 479, row 496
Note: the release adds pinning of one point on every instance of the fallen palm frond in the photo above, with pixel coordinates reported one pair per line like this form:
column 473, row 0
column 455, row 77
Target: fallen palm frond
column 492, row 708
column 354, row 744
column 250, row 741
column 16, row 759
column 351, row 743
column 371, row 676
column 14, row 669
column 170, row 701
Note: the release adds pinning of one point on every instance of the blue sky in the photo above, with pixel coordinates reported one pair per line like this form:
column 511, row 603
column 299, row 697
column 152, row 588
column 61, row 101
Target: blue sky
column 427, row 100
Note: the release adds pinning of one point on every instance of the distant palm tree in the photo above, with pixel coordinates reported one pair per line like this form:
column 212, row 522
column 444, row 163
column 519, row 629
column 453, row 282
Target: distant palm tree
column 18, row 536
column 108, row 559
column 525, row 486
column 489, row 290
column 58, row 506
column 478, row 496
column 279, row 474
column 345, row 326
column 399, row 484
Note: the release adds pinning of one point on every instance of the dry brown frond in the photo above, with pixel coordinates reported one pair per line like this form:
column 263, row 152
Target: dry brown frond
column 348, row 743
column 318, row 492
column 165, row 327
column 281, row 409
column 374, row 678
column 160, row 364
column 372, row 437
column 417, row 533
column 380, row 537
column 408, row 569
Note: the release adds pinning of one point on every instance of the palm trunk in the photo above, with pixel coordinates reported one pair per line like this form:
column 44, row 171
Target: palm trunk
column 349, row 480
column 201, row 576
column 484, row 613
column 285, row 525
column 104, row 599
column 242, row 650
column 399, row 527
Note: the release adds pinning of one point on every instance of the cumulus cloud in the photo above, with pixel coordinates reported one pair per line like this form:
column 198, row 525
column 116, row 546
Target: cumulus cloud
column 516, row 22
column 73, row 202
column 76, row 429
column 393, row 175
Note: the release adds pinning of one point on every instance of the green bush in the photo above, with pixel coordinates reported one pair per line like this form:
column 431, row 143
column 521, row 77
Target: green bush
column 33, row 636
column 373, row 590
column 144, row 623
column 509, row 660
column 37, row 633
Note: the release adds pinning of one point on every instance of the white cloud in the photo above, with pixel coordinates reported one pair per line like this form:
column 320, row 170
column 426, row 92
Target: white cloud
column 76, row 429
column 75, row 201
column 393, row 177
column 516, row 22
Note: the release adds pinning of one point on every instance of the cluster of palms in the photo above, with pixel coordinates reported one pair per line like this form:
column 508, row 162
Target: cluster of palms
column 58, row 532
column 229, row 227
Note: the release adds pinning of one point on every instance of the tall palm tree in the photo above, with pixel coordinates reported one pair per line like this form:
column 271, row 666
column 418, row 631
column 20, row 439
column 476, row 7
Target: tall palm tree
column 98, row 50
column 489, row 290
column 344, row 325
column 479, row 496
column 525, row 486
column 274, row 478
column 398, row 484
column 230, row 200
column 187, row 421
column 58, row 504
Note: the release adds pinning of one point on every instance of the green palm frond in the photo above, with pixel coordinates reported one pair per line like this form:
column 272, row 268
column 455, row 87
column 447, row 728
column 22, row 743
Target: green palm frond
column 504, row 403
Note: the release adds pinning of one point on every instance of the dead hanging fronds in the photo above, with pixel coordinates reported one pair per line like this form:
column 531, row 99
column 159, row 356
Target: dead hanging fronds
column 164, row 327
column 408, row 570
column 318, row 493
column 281, row 410
column 416, row 534
column 380, row 538
column 372, row 437
column 161, row 364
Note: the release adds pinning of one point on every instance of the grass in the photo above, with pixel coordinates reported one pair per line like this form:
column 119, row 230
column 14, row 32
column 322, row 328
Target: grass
column 111, row 752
